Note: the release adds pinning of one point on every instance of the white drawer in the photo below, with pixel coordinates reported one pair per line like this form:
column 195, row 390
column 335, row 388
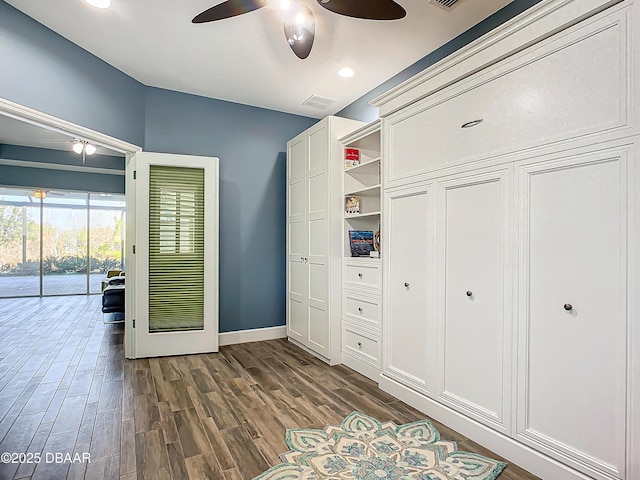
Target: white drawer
column 361, row 309
column 362, row 275
column 361, row 345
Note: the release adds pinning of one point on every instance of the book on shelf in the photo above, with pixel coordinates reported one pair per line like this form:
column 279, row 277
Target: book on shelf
column 361, row 243
column 351, row 157
column 351, row 204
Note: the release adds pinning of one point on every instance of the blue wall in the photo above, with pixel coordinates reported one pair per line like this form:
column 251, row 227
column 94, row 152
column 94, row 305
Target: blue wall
column 361, row 110
column 25, row 176
column 44, row 71
column 251, row 144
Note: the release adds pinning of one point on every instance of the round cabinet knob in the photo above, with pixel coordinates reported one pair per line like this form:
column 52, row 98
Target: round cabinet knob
column 360, row 309
column 302, row 259
column 568, row 307
column 360, row 275
column 359, row 344
column 406, row 284
column 469, row 293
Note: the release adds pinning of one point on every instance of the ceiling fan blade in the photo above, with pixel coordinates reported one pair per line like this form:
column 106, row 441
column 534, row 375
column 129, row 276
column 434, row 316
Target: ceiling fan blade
column 367, row 9
column 228, row 9
column 301, row 32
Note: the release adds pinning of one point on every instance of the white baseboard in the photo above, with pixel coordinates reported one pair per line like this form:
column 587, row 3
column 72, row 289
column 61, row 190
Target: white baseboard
column 361, row 367
column 253, row 335
column 523, row 456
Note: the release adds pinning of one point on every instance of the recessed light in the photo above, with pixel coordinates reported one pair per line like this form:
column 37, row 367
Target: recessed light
column 346, row 72
column 99, row 3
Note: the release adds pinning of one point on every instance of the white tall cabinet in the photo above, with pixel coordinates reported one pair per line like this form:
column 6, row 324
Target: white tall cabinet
column 314, row 237
column 510, row 285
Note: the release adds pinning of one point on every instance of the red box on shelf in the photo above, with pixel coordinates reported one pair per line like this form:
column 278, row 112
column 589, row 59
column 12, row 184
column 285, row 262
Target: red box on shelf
column 351, row 157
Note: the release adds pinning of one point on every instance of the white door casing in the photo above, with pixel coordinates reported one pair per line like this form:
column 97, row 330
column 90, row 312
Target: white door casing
column 149, row 344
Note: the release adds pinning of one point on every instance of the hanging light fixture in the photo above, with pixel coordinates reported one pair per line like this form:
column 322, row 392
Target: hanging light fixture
column 82, row 147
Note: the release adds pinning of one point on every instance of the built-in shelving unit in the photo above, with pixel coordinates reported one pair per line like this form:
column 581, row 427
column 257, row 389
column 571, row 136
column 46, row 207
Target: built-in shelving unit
column 362, row 275
column 364, row 182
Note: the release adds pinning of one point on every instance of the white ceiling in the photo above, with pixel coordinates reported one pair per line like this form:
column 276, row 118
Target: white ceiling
column 246, row 59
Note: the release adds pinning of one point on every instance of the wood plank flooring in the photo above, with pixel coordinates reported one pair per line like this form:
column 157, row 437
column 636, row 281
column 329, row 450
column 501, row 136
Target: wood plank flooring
column 66, row 388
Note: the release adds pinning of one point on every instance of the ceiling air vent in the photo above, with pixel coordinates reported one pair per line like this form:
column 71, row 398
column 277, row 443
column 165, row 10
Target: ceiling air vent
column 447, row 5
column 318, row 102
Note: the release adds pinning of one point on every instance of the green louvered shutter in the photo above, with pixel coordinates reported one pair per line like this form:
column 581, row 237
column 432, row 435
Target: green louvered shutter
column 176, row 249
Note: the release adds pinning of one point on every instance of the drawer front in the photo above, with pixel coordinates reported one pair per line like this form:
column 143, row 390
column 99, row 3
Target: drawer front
column 360, row 309
column 361, row 276
column 573, row 86
column 361, row 345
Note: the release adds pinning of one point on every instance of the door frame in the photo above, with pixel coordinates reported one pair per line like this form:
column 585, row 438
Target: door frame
column 73, row 130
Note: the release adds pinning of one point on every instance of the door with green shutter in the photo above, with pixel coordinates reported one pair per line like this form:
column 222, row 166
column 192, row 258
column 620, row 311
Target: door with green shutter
column 176, row 255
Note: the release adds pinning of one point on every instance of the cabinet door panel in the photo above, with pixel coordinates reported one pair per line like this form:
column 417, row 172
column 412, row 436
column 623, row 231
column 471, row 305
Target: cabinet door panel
column 297, row 241
column 574, row 332
column 474, row 225
column 409, row 294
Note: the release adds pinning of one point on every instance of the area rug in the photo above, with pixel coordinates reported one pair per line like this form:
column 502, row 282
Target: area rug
column 362, row 448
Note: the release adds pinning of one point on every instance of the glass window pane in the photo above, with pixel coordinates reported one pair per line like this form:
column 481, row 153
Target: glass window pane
column 106, row 244
column 19, row 243
column 64, row 244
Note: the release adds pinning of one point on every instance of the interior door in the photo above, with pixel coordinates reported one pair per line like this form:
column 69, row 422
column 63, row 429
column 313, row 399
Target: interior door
column 176, row 254
column 297, row 279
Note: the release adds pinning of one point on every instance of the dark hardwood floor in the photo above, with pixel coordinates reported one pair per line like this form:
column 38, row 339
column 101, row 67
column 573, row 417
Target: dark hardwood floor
column 66, row 388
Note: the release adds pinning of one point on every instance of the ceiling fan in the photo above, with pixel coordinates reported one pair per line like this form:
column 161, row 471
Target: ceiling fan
column 298, row 21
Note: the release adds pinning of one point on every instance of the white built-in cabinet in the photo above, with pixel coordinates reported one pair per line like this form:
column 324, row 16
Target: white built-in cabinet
column 314, row 237
column 511, row 242
column 362, row 276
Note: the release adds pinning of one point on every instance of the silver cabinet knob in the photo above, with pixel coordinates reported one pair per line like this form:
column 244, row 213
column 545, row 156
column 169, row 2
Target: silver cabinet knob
column 406, row 284
column 568, row 307
column 469, row 293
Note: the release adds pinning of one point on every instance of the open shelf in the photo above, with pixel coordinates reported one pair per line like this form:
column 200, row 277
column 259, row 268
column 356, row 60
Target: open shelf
column 373, row 191
column 364, row 166
column 362, row 215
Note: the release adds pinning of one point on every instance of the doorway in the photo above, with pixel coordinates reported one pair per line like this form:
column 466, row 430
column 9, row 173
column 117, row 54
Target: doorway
column 59, row 242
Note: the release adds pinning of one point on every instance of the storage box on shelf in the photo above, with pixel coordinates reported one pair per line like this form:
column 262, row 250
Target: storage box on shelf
column 361, row 275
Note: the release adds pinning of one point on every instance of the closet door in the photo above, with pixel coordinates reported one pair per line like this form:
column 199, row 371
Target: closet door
column 318, row 238
column 408, row 302
column 572, row 366
column 473, row 221
column 297, row 278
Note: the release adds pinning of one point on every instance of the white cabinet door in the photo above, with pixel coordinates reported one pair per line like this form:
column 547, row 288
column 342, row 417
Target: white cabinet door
column 572, row 365
column 297, row 278
column 318, row 238
column 408, row 289
column 473, row 221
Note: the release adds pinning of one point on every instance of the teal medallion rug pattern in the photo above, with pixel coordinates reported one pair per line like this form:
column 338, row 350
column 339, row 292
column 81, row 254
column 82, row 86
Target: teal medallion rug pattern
column 362, row 448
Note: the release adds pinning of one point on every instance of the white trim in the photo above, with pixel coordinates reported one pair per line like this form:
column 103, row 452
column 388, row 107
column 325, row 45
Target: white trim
column 252, row 335
column 57, row 166
column 54, row 124
column 531, row 26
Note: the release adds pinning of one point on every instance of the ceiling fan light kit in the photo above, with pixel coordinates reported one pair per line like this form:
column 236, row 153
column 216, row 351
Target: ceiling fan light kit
column 299, row 23
column 82, row 147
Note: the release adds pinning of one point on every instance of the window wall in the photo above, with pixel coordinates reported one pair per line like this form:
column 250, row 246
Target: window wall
column 58, row 242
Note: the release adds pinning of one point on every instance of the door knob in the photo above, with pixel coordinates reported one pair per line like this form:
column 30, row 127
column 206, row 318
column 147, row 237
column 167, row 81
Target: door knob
column 568, row 307
column 469, row 293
